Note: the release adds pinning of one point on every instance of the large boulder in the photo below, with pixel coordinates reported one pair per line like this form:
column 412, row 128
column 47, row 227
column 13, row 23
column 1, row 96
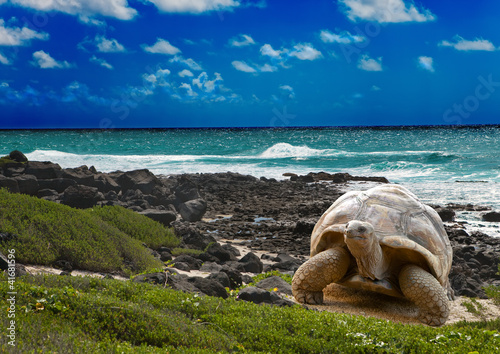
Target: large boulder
column 18, row 156
column 104, row 183
column 193, row 210
column 81, row 175
column 216, row 250
column 28, row 184
column 9, row 183
column 257, row 295
column 193, row 263
column 209, row 287
column 165, row 217
column 492, row 216
column 446, row 214
column 43, row 170
column 252, row 263
column 57, row 184
column 82, row 196
column 144, row 180
column 186, row 190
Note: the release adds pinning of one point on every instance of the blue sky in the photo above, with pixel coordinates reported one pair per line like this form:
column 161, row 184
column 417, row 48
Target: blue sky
column 230, row 63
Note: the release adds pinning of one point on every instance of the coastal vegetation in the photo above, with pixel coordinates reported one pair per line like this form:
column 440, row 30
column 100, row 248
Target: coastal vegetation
column 83, row 314
column 70, row 314
column 102, row 239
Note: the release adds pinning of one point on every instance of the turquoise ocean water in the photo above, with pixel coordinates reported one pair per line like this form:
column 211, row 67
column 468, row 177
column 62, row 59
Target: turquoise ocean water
column 440, row 165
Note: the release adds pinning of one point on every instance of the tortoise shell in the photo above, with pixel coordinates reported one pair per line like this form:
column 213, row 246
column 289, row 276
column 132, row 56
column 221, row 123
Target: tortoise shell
column 408, row 230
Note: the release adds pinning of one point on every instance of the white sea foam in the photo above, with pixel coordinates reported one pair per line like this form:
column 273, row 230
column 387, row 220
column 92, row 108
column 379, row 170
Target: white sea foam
column 432, row 182
column 285, row 150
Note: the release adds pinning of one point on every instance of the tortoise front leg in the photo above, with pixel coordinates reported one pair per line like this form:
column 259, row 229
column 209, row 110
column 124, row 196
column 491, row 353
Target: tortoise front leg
column 426, row 292
column 319, row 271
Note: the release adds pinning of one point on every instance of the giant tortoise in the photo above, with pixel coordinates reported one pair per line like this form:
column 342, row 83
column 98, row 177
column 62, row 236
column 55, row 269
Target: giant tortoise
column 383, row 240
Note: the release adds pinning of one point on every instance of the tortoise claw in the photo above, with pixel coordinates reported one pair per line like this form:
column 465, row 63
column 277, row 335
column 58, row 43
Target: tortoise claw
column 309, row 297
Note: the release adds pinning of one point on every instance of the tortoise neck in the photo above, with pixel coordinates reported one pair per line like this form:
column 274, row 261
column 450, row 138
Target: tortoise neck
column 371, row 261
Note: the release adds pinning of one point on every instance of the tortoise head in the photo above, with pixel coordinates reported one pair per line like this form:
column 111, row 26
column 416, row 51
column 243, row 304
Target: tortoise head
column 359, row 235
column 363, row 244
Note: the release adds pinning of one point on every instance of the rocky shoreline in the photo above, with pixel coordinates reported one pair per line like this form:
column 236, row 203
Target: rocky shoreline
column 262, row 214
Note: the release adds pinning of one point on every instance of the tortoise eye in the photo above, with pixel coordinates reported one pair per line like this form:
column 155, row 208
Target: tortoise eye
column 361, row 229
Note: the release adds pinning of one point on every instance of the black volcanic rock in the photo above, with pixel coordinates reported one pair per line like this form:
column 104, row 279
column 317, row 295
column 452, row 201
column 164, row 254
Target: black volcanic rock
column 43, row 170
column 165, row 217
column 81, row 196
column 27, row 184
column 9, row 183
column 18, row 156
column 492, row 216
column 143, row 180
column 193, row 210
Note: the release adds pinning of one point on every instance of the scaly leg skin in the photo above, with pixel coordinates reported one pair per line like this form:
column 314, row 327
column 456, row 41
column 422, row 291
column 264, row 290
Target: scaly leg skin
column 427, row 293
column 314, row 275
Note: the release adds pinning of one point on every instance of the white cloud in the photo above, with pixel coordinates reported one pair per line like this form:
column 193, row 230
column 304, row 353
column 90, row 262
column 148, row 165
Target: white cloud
column 162, row 47
column 206, row 85
column 426, row 63
column 101, row 62
column 242, row 66
column 368, row 64
column 4, row 60
column 190, row 63
column 105, row 45
column 243, row 41
column 342, row 38
column 375, row 88
column 185, row 73
column 157, row 79
column 466, row 45
column 305, row 52
column 266, row 68
column 194, row 6
column 287, row 91
column 16, row 36
column 189, row 89
column 267, row 50
column 84, row 9
column 45, row 61
column 385, row 11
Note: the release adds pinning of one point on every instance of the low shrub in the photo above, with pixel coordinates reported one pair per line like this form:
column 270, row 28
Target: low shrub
column 189, row 251
column 122, row 316
column 48, row 232
column 142, row 228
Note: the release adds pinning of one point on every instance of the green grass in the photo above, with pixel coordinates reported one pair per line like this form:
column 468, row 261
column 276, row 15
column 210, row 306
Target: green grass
column 139, row 227
column 48, row 232
column 79, row 315
column 7, row 160
column 189, row 251
column 493, row 292
column 474, row 307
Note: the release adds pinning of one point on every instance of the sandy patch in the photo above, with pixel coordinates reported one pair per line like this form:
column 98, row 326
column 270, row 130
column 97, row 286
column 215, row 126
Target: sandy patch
column 32, row 269
column 357, row 302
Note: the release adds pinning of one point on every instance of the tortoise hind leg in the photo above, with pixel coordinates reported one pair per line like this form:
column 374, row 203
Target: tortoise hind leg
column 426, row 292
column 314, row 275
